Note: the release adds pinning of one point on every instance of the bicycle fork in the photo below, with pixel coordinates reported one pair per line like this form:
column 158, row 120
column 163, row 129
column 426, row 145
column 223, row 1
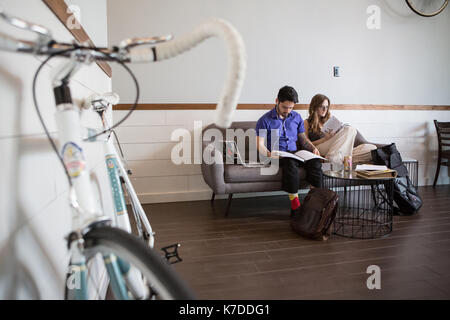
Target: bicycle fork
column 117, row 270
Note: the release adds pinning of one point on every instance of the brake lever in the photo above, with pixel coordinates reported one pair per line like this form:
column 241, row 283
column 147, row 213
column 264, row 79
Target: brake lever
column 127, row 44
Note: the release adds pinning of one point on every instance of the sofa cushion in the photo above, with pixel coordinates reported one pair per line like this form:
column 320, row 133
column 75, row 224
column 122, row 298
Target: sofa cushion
column 238, row 173
column 235, row 173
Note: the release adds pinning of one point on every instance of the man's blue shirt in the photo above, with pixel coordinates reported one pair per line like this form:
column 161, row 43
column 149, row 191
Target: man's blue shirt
column 287, row 129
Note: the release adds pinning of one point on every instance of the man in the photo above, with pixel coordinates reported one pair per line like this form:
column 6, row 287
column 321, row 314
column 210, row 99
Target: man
column 289, row 127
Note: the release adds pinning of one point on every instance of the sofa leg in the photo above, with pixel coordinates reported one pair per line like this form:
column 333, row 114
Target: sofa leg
column 228, row 204
column 213, row 196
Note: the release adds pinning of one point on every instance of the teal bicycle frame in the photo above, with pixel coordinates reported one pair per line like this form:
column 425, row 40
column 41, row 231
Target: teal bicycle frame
column 119, row 271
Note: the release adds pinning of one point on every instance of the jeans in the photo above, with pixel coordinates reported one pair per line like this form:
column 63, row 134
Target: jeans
column 291, row 180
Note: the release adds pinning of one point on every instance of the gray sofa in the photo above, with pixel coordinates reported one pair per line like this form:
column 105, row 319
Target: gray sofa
column 228, row 179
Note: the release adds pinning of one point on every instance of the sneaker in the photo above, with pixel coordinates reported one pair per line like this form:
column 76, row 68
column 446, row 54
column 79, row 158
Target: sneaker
column 294, row 213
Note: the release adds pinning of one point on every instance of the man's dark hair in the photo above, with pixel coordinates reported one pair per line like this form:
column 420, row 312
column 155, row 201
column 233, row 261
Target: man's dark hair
column 287, row 94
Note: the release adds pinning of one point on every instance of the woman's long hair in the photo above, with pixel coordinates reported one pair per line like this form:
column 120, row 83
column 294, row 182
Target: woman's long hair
column 314, row 119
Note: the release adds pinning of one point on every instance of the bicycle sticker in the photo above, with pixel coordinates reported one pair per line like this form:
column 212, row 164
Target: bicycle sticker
column 119, row 202
column 73, row 159
column 110, row 163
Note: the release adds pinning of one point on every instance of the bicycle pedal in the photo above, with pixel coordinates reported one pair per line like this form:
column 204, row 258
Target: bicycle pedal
column 172, row 252
column 146, row 236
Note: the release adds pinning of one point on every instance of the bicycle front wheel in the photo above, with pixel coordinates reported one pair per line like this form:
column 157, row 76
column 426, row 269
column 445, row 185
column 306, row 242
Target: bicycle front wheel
column 104, row 242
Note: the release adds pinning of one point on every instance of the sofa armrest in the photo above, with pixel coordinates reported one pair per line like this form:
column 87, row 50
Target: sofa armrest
column 361, row 140
column 213, row 173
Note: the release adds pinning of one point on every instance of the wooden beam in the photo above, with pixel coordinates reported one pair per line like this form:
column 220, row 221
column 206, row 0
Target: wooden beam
column 210, row 106
column 59, row 8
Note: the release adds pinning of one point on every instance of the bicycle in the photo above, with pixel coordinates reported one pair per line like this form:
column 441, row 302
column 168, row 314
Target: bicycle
column 114, row 256
column 117, row 170
column 120, row 183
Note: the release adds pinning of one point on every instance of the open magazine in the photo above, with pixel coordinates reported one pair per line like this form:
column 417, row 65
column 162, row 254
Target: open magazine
column 301, row 155
column 233, row 155
column 333, row 125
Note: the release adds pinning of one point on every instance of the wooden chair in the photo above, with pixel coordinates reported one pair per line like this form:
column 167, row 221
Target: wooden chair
column 443, row 134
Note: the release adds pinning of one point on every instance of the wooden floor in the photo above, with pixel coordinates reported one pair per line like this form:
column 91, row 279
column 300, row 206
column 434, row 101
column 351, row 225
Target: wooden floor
column 253, row 254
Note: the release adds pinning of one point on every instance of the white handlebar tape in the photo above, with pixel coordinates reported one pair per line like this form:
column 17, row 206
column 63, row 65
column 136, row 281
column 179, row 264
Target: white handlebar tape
column 236, row 55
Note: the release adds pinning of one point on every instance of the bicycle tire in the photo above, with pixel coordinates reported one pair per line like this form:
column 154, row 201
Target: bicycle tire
column 128, row 247
column 423, row 14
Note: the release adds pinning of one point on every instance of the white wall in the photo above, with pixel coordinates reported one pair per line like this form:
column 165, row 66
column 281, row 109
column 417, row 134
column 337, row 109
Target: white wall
column 35, row 215
column 288, row 42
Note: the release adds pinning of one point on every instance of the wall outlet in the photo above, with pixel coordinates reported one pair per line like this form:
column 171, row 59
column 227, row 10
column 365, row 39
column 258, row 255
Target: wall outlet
column 336, row 71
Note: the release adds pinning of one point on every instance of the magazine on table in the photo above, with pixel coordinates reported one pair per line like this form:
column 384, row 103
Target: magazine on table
column 302, row 155
column 374, row 174
column 370, row 167
column 333, row 125
column 374, row 171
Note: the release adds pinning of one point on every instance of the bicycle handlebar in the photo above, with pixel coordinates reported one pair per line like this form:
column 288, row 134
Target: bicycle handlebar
column 133, row 51
column 25, row 25
column 236, row 56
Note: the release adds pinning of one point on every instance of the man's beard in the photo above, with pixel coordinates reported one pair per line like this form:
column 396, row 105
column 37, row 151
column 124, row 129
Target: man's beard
column 283, row 114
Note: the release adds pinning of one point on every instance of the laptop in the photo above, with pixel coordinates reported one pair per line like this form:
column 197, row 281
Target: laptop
column 232, row 154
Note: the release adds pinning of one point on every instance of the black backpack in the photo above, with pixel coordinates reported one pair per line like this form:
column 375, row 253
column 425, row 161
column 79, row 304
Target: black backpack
column 406, row 196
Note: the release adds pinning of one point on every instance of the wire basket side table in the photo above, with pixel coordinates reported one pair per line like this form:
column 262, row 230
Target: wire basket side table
column 365, row 208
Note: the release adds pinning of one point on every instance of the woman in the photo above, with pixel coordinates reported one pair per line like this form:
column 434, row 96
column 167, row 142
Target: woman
column 331, row 143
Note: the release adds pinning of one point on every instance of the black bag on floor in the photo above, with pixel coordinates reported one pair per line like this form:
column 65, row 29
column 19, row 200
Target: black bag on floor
column 406, row 196
column 390, row 157
column 316, row 214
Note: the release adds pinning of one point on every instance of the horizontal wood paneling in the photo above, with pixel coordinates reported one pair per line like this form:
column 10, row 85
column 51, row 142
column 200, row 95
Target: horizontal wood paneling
column 255, row 106
column 146, row 140
column 148, row 151
column 59, row 8
column 158, row 168
column 146, row 134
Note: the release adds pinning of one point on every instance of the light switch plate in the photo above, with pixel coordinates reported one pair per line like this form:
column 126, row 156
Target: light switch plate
column 336, row 71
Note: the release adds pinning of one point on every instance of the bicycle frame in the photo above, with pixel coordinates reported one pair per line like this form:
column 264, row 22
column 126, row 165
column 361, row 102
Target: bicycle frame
column 116, row 172
column 118, row 176
column 85, row 214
